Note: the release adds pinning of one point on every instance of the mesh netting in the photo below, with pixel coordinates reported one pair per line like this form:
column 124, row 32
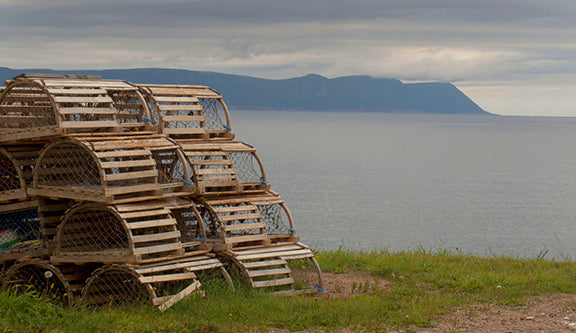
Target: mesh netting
column 19, row 230
column 25, row 107
column 92, row 228
column 171, row 169
column 129, row 107
column 189, row 224
column 38, row 277
column 210, row 221
column 68, row 165
column 275, row 218
column 115, row 286
column 214, row 113
column 247, row 167
column 9, row 177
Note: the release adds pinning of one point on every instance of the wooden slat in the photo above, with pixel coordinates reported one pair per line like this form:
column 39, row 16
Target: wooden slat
column 234, row 217
column 191, row 130
column 122, row 153
column 150, row 224
column 158, row 248
column 174, row 99
column 61, row 91
column 272, row 249
column 145, row 213
column 89, row 124
column 83, row 110
column 128, row 163
column 130, row 189
column 183, row 118
column 273, row 283
column 246, row 238
column 281, row 254
column 246, row 226
column 180, row 107
column 130, row 175
column 80, row 99
column 234, row 209
column 210, row 162
column 187, row 265
column 167, row 277
column 19, row 206
column 272, row 271
column 178, row 297
column 156, row 237
column 265, row 263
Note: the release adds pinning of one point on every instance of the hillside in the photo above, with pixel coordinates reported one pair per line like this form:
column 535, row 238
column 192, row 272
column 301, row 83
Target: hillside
column 310, row 92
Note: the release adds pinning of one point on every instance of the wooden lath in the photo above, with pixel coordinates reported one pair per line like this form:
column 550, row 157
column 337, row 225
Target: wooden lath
column 43, row 106
column 111, row 169
column 182, row 111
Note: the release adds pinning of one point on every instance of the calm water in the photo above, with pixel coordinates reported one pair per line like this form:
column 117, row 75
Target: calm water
column 480, row 185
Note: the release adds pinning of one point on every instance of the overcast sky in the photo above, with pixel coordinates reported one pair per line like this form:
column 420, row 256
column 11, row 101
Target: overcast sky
column 509, row 56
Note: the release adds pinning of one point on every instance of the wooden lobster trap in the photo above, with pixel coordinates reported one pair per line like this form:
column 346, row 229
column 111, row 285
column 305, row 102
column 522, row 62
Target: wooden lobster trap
column 255, row 234
column 111, row 169
column 221, row 168
column 188, row 112
column 35, row 106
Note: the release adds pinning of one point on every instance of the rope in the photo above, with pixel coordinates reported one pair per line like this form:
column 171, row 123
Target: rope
column 227, row 127
column 201, row 239
column 187, row 182
column 320, row 288
column 150, row 120
column 263, row 181
column 292, row 229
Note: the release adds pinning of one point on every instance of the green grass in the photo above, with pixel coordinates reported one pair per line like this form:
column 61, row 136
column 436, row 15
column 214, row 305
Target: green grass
column 423, row 286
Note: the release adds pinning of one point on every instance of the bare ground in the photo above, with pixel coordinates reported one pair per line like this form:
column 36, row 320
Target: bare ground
column 553, row 313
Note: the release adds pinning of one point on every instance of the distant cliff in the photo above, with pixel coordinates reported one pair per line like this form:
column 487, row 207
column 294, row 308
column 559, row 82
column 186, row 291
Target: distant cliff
column 308, row 93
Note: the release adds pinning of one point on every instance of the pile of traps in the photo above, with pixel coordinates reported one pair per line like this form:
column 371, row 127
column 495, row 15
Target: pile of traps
column 112, row 192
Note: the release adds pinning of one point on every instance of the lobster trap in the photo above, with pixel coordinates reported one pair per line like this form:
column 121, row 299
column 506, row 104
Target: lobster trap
column 113, row 193
column 188, row 112
column 34, row 106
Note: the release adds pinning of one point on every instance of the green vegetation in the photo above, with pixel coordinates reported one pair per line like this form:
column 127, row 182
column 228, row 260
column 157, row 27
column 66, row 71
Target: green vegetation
column 422, row 286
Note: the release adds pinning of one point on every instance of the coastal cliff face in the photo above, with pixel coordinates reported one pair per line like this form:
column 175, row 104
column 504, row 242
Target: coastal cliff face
column 308, row 93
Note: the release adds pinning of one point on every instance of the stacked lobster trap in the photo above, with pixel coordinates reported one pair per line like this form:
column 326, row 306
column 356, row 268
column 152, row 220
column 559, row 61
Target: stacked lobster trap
column 112, row 192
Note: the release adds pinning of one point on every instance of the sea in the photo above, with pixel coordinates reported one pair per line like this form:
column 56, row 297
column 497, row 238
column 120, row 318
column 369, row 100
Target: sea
column 476, row 185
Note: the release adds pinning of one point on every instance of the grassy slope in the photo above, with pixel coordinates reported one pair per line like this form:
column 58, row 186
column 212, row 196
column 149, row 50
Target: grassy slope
column 424, row 285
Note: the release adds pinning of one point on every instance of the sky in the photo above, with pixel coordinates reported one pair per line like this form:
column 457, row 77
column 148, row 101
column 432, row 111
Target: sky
column 512, row 57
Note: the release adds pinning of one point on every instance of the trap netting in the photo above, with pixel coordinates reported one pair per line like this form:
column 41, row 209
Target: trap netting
column 19, row 230
column 94, row 229
column 173, row 171
column 68, row 165
column 190, row 226
column 131, row 109
column 161, row 284
column 40, row 277
column 100, row 233
column 276, row 218
column 11, row 179
column 247, row 167
column 214, row 113
column 25, row 109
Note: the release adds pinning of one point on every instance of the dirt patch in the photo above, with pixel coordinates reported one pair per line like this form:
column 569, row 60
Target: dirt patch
column 554, row 313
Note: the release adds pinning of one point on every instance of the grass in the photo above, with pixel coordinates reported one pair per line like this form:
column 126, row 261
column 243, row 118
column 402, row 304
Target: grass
column 423, row 286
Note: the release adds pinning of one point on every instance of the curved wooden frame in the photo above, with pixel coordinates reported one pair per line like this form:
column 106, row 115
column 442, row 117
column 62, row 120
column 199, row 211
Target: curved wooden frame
column 126, row 165
column 11, row 194
column 144, row 240
column 158, row 95
column 78, row 104
column 45, row 269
